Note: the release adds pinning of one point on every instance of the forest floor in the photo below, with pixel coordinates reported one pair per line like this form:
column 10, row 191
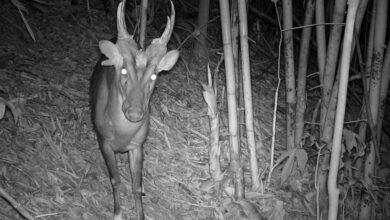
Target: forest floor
column 50, row 161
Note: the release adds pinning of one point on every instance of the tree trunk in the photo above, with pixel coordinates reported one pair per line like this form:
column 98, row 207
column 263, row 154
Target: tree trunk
column 377, row 62
column 384, row 89
column 289, row 71
column 321, row 39
column 331, row 61
column 203, row 17
column 329, row 93
column 302, row 70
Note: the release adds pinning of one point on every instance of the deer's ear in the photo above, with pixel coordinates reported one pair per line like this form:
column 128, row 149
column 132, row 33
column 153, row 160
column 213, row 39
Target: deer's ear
column 168, row 61
column 111, row 51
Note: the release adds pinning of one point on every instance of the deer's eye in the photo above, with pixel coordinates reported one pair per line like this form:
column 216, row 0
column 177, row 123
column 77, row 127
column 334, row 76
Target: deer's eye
column 153, row 77
column 123, row 71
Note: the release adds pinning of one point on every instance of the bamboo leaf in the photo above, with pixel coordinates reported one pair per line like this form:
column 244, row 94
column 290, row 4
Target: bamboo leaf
column 350, row 140
column 43, row 2
column 211, row 100
column 19, row 5
column 250, row 209
column 27, row 25
column 301, row 156
column 209, row 79
column 287, row 168
column 284, row 156
column 2, row 109
column 3, row 104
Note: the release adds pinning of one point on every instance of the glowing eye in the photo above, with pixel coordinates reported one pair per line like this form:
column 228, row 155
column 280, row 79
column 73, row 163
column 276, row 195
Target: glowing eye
column 153, row 77
column 124, row 71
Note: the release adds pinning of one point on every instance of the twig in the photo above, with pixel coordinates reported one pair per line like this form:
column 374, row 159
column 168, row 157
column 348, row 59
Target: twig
column 316, row 183
column 15, row 204
column 275, row 106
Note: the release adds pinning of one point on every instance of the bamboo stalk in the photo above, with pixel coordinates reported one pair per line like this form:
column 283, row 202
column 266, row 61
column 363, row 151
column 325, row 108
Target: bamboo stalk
column 235, row 153
column 289, row 71
column 248, row 94
column 302, row 71
column 341, row 103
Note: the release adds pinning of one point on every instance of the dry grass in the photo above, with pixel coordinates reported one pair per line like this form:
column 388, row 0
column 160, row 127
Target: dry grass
column 50, row 161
